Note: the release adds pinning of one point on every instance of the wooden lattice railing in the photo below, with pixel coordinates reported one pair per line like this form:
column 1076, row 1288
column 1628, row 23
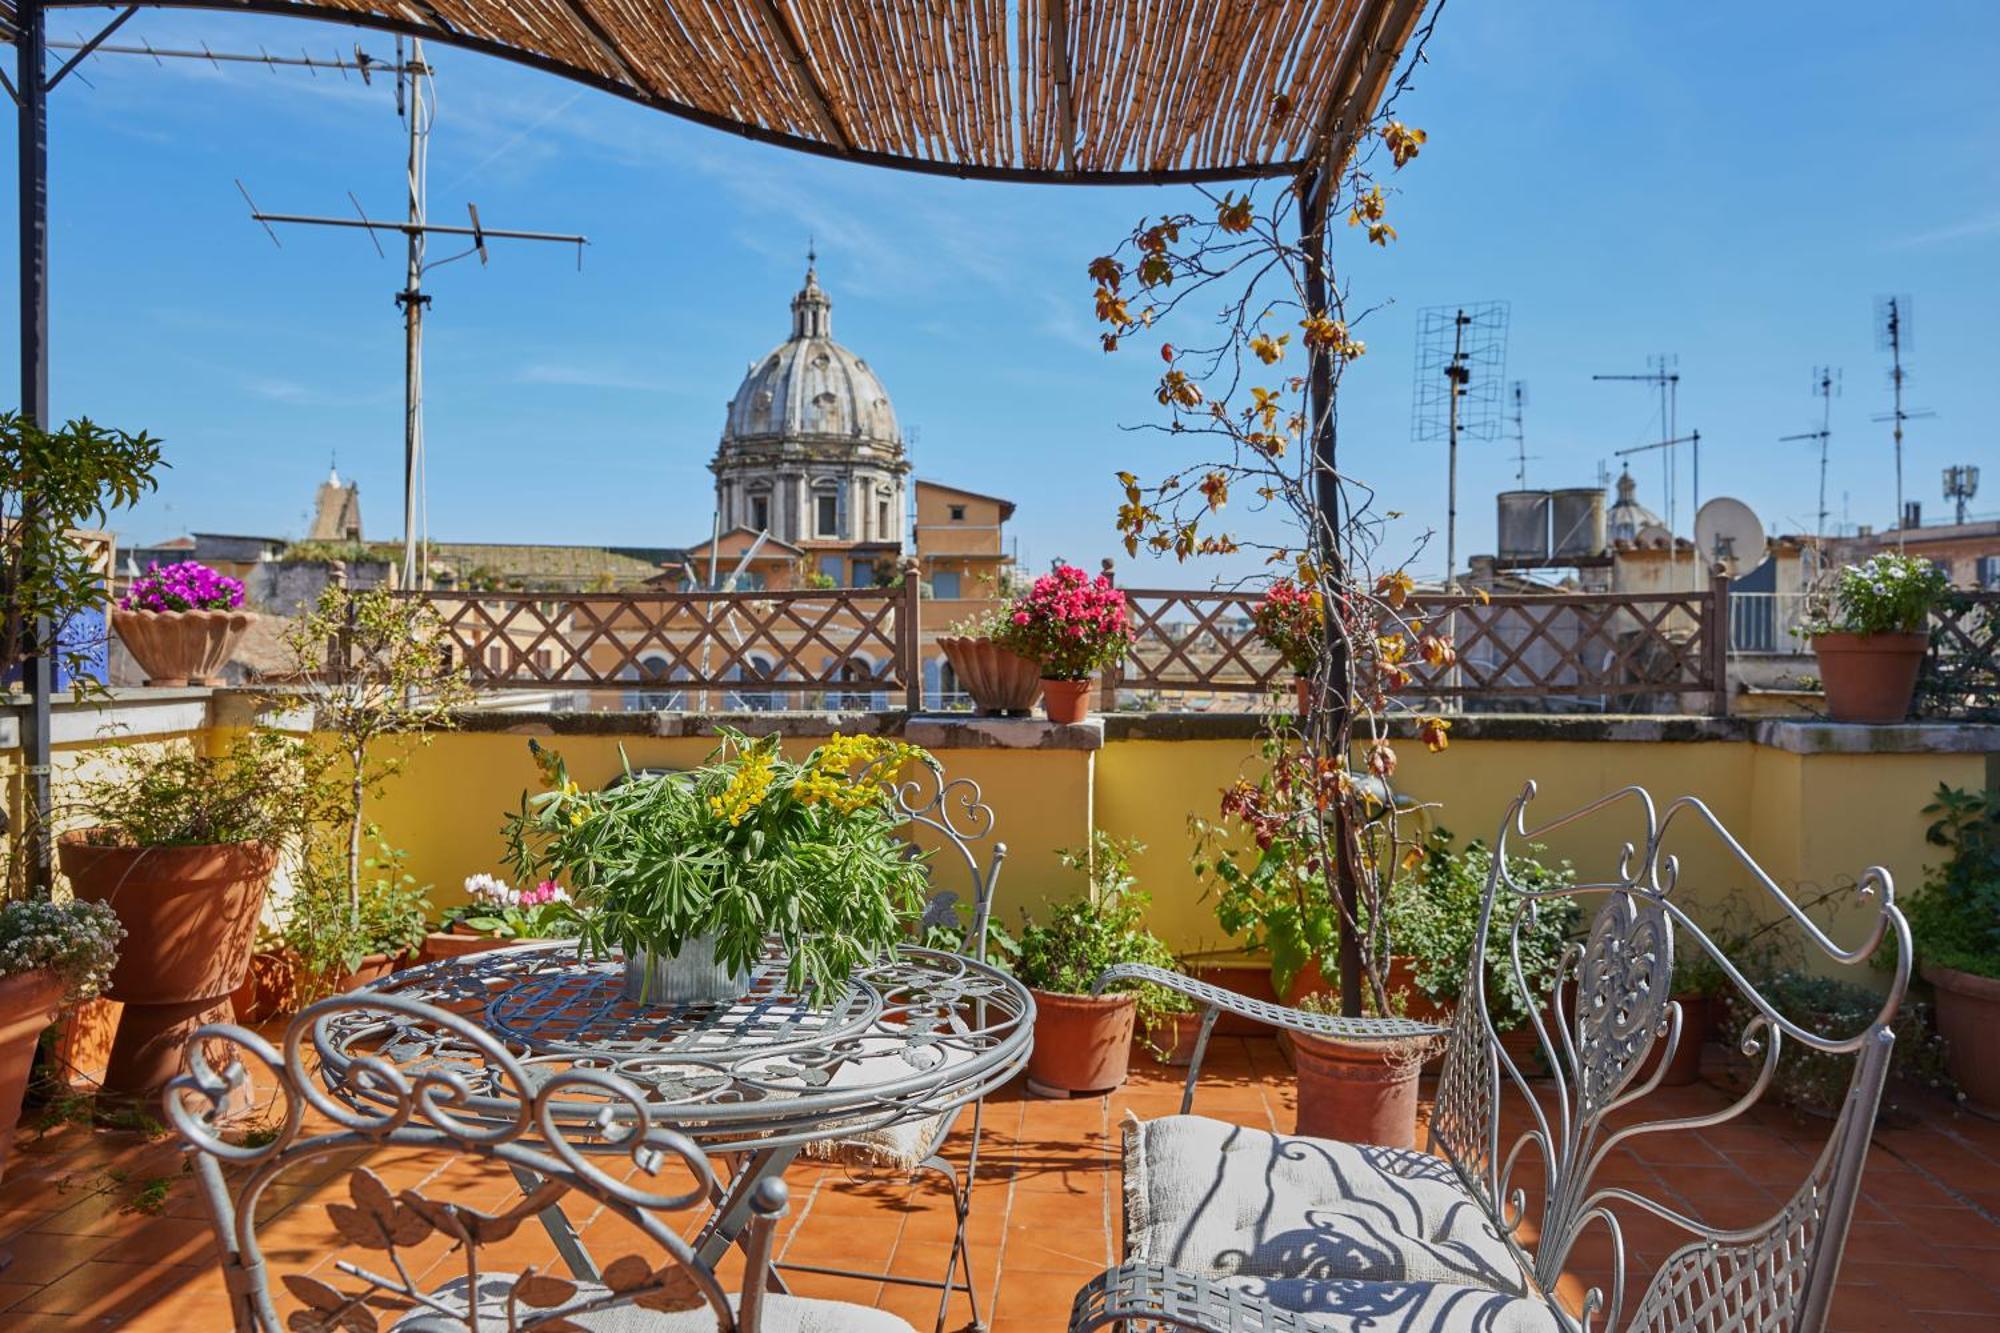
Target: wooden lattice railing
column 1617, row 650
column 1962, row 671
column 843, row 640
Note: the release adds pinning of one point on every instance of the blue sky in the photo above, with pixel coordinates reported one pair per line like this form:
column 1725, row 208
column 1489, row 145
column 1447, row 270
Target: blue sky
column 1735, row 184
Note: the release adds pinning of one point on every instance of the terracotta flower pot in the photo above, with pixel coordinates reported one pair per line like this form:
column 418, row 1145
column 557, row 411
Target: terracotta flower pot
column 457, row 942
column 181, row 647
column 1065, row 700
column 190, row 917
column 1968, row 1018
column 1002, row 683
column 1869, row 677
column 1697, row 1023
column 1083, row 1043
column 1359, row 1092
column 28, row 1003
column 373, row 968
column 269, row 987
column 1303, row 686
column 1174, row 1039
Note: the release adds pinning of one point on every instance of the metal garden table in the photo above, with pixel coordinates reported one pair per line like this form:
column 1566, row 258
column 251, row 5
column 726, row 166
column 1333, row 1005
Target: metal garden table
column 910, row 1037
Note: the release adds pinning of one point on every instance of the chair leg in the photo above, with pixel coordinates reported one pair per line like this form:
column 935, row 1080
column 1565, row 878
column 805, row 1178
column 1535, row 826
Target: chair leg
column 961, row 1207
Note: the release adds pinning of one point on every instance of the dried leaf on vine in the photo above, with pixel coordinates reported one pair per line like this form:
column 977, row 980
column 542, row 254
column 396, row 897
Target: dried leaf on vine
column 1107, row 272
column 1395, row 588
column 1270, row 350
column 1381, row 758
column 1215, row 489
column 1432, row 732
column 1234, row 215
column 1403, row 141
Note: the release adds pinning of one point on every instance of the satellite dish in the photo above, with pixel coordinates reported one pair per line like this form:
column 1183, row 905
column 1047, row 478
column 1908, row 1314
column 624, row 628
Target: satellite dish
column 1726, row 532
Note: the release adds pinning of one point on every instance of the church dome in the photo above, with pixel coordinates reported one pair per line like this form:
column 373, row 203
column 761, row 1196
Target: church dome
column 810, row 387
column 1630, row 521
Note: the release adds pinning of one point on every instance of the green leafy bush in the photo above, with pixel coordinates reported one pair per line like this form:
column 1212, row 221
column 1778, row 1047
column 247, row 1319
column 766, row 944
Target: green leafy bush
column 1085, row 936
column 748, row 845
column 1955, row 921
column 322, row 928
column 257, row 790
column 1817, row 1081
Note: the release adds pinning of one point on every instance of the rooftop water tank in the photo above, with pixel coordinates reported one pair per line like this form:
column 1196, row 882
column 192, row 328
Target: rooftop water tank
column 1524, row 525
column 1578, row 522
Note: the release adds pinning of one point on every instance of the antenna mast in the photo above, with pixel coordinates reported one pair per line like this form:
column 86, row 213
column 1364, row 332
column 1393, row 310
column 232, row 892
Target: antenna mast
column 1826, row 383
column 1518, row 391
column 1664, row 375
column 1892, row 331
column 1461, row 364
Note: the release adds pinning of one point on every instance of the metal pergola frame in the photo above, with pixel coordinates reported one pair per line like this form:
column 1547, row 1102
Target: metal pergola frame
column 1383, row 28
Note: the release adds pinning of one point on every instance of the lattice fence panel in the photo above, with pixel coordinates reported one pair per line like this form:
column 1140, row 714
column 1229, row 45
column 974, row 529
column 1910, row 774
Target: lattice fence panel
column 1962, row 671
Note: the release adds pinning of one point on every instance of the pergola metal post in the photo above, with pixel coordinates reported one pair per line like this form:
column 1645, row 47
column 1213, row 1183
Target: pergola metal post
column 31, row 92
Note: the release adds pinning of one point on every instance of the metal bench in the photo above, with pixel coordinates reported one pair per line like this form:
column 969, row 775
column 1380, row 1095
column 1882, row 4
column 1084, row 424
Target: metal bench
column 1231, row 1230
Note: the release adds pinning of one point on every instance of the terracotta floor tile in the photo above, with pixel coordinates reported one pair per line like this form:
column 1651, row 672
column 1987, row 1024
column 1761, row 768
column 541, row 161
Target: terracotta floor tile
column 100, row 1289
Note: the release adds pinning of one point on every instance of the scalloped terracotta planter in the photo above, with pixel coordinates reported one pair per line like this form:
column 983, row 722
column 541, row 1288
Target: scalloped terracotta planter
column 181, row 647
column 1968, row 1018
column 1869, row 677
column 1083, row 1043
column 28, row 1004
column 1358, row 1092
column 1002, row 683
column 1065, row 700
column 190, row 916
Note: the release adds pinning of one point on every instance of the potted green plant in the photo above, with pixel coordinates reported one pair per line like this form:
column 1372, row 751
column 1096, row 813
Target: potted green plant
column 339, row 943
column 181, row 622
column 496, row 915
column 687, row 875
column 51, row 954
column 1291, row 620
column 1071, row 626
column 1002, row 682
column 1955, row 928
column 181, row 846
column 1083, row 1042
column 1870, row 633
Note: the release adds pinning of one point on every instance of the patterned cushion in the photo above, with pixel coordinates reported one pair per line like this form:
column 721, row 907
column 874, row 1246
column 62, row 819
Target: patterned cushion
column 1344, row 1305
column 782, row 1314
column 1223, row 1201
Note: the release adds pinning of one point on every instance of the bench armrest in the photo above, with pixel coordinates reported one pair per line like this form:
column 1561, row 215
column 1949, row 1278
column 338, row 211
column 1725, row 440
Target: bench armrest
column 1155, row 1296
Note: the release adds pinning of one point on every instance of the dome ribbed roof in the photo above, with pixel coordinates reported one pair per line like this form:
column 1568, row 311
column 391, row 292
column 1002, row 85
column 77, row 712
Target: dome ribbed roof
column 1628, row 518
column 809, row 386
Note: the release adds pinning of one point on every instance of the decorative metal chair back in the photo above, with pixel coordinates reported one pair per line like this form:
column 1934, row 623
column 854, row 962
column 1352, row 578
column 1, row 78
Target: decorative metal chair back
column 1606, row 1010
column 956, row 811
column 637, row 1169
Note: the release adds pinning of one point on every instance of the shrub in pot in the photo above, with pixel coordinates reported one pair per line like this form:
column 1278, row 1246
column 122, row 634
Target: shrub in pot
column 1002, row 683
column 1955, row 928
column 688, row 875
column 1083, row 1042
column 51, row 954
column 181, row 846
column 1072, row 626
column 1815, row 1081
column 339, row 942
column 1870, row 636
column 182, row 622
column 497, row 915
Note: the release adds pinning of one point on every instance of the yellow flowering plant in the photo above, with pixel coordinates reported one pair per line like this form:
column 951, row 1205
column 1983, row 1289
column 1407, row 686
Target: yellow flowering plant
column 748, row 846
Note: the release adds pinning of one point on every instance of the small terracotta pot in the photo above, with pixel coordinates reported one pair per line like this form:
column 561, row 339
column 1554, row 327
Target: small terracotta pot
column 1304, row 687
column 28, row 1003
column 458, row 942
column 1968, row 1018
column 1002, row 683
column 1697, row 1023
column 269, row 987
column 1251, row 979
column 1869, row 677
column 1359, row 1092
column 1083, row 1043
column 181, row 647
column 190, row 916
column 1065, row 700
column 373, row 968
column 1177, row 1036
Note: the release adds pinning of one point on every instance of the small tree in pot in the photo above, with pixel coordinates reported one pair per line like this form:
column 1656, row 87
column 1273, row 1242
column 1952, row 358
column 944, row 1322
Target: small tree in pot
column 1870, row 632
column 1083, row 1042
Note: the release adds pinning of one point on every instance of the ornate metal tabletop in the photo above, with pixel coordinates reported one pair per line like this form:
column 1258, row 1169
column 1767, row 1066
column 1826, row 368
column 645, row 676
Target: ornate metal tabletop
column 910, row 1037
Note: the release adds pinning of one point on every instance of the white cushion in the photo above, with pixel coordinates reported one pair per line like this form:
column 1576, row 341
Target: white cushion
column 1219, row 1200
column 1344, row 1305
column 900, row 1147
column 782, row 1314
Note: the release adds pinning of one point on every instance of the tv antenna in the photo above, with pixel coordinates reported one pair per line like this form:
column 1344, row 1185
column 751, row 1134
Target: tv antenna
column 412, row 76
column 1961, row 483
column 1517, row 393
column 1662, row 372
column 1826, row 383
column 1892, row 331
column 1461, row 364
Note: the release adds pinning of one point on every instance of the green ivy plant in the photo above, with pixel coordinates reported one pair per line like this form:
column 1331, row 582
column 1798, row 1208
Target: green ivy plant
column 1084, row 936
column 1955, row 921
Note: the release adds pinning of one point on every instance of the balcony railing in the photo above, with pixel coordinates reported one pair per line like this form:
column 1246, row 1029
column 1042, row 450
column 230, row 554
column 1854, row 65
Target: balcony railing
column 1961, row 676
column 1763, row 622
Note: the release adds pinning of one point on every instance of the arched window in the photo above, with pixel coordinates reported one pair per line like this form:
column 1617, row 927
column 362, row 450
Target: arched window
column 654, row 670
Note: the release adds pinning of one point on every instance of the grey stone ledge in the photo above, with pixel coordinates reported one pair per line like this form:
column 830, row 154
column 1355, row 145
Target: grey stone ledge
column 1815, row 737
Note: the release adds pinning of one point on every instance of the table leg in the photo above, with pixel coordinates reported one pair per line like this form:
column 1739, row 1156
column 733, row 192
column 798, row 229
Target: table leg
column 569, row 1246
column 732, row 1211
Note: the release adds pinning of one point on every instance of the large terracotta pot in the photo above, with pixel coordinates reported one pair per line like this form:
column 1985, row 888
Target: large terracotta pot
column 190, row 917
column 1359, row 1092
column 181, row 647
column 1968, row 1018
column 1869, row 677
column 28, row 1003
column 1002, row 683
column 1083, row 1043
column 1065, row 700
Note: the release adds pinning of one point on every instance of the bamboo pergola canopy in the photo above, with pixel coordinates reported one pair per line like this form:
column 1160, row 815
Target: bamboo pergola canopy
column 1086, row 91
